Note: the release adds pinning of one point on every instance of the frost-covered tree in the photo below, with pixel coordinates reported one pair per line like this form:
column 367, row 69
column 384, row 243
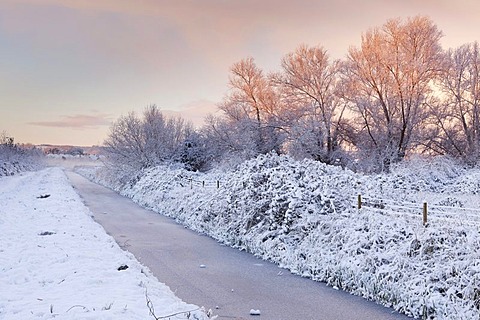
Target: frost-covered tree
column 141, row 142
column 229, row 140
column 387, row 83
column 6, row 140
column 457, row 115
column 125, row 144
column 313, row 112
column 250, row 111
column 164, row 136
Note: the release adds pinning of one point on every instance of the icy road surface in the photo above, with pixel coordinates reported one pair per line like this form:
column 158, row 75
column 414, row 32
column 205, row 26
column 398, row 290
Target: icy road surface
column 203, row 272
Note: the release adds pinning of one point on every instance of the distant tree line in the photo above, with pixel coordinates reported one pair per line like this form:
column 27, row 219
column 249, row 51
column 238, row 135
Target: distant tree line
column 399, row 93
column 73, row 151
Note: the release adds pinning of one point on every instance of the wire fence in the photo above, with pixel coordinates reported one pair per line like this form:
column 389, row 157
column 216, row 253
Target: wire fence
column 192, row 183
column 421, row 211
column 411, row 211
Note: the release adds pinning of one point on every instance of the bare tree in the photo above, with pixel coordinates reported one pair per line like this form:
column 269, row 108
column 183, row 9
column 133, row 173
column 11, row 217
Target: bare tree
column 144, row 142
column 308, row 82
column 388, row 81
column 230, row 140
column 164, row 136
column 457, row 116
column 125, row 143
column 250, row 107
column 6, row 140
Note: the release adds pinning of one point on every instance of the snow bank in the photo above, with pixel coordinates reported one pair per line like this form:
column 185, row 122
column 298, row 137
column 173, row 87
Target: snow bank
column 303, row 216
column 56, row 262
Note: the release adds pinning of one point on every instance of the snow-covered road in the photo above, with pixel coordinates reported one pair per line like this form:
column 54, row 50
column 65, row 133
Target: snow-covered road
column 201, row 271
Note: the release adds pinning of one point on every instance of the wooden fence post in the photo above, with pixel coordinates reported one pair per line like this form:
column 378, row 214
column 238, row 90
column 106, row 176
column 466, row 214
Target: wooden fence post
column 203, row 184
column 191, row 183
column 425, row 211
column 218, row 184
column 359, row 201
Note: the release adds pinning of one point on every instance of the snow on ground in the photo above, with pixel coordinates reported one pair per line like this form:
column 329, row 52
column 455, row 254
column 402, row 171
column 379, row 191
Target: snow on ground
column 57, row 263
column 303, row 216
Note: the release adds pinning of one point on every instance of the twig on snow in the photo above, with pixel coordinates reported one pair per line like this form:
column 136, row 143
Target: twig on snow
column 152, row 310
column 78, row 306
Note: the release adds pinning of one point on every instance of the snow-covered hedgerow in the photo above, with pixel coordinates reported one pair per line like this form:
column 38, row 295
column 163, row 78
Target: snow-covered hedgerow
column 303, row 216
column 11, row 168
column 14, row 160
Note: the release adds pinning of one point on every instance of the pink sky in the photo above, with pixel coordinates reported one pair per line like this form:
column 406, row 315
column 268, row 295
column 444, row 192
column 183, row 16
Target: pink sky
column 70, row 67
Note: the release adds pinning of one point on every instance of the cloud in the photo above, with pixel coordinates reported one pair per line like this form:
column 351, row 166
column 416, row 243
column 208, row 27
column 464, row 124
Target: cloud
column 79, row 121
column 166, row 35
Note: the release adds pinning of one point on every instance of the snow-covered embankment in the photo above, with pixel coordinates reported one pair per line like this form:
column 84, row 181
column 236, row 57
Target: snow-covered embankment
column 302, row 216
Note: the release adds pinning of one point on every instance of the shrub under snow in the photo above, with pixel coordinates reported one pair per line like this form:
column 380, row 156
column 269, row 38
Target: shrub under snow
column 14, row 159
column 303, row 216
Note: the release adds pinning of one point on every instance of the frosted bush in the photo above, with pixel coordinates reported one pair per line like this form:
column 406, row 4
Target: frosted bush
column 14, row 159
column 303, row 216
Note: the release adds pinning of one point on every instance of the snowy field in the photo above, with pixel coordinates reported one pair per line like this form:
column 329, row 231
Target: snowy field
column 304, row 217
column 57, row 263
